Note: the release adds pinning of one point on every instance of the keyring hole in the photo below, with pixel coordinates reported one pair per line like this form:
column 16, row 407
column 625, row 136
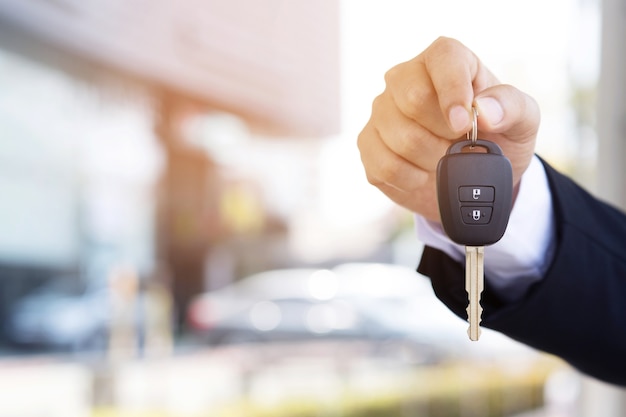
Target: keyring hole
column 474, row 149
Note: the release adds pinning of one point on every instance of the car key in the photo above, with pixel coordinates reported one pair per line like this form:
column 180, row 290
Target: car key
column 475, row 191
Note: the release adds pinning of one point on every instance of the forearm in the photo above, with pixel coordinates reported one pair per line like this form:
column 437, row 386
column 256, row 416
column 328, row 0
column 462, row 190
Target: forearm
column 577, row 309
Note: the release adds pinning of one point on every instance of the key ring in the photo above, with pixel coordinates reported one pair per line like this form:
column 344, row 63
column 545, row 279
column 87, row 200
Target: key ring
column 474, row 135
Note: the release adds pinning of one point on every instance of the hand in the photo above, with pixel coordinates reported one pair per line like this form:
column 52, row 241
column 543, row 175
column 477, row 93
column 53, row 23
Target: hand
column 427, row 103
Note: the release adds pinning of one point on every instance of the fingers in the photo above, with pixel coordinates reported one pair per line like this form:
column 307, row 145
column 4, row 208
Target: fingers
column 452, row 69
column 436, row 89
column 403, row 182
column 413, row 121
column 406, row 137
column 427, row 102
column 384, row 167
column 411, row 92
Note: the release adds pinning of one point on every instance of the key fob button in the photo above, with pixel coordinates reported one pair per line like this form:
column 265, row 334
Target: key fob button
column 476, row 215
column 476, row 193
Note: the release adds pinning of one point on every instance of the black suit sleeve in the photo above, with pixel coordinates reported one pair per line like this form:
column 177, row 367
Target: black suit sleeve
column 578, row 310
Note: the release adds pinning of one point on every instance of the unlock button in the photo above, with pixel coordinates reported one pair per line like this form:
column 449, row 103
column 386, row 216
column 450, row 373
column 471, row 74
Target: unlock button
column 476, row 215
column 476, row 193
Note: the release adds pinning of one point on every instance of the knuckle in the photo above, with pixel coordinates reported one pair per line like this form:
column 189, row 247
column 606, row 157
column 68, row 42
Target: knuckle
column 444, row 44
column 388, row 173
column 417, row 97
column 378, row 103
column 407, row 143
column 371, row 179
column 362, row 147
column 364, row 139
column 392, row 74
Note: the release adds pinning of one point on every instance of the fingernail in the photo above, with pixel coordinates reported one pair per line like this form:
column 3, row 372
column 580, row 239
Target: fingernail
column 490, row 109
column 459, row 118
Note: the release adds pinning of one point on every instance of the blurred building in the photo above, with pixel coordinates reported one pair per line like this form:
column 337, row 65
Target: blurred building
column 96, row 167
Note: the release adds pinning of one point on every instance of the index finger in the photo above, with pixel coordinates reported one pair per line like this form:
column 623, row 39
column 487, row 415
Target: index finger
column 457, row 75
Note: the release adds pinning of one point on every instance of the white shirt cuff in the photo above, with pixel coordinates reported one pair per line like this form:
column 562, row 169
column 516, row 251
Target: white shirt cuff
column 524, row 253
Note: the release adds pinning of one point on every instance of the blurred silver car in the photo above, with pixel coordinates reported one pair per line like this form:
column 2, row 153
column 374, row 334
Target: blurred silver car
column 277, row 305
column 376, row 302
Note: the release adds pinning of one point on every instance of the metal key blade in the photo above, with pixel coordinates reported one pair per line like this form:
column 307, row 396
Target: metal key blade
column 474, row 284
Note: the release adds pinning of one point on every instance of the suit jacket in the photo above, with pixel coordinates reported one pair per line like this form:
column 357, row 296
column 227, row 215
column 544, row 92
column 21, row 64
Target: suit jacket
column 578, row 310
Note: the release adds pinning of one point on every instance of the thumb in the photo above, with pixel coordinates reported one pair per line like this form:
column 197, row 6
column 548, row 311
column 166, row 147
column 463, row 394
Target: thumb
column 507, row 112
column 510, row 118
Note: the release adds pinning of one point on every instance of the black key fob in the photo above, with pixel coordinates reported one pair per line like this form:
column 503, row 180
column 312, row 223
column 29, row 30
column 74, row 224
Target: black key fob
column 475, row 192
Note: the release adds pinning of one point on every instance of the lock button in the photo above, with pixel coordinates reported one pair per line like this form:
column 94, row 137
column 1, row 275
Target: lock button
column 476, row 215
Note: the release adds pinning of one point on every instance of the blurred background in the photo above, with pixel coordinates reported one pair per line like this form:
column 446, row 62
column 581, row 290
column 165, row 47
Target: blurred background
column 186, row 228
